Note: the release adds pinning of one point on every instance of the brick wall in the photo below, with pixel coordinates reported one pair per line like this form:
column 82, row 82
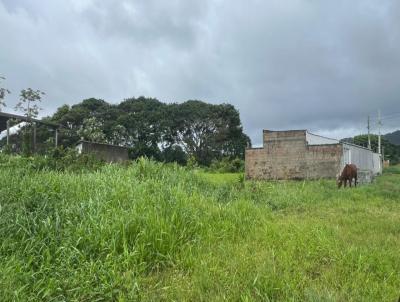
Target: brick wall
column 282, row 157
column 324, row 161
column 286, row 155
column 108, row 153
column 256, row 163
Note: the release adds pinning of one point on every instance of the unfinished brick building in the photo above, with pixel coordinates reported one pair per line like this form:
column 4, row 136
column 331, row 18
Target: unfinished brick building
column 106, row 152
column 298, row 154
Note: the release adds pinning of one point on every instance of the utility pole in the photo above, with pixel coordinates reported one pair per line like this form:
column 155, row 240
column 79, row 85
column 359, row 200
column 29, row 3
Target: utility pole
column 369, row 137
column 379, row 131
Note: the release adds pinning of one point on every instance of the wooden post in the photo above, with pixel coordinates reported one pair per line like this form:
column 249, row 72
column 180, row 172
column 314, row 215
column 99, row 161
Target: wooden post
column 8, row 132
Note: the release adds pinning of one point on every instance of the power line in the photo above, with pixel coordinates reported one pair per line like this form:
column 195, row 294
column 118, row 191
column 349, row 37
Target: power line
column 392, row 119
column 375, row 123
column 392, row 114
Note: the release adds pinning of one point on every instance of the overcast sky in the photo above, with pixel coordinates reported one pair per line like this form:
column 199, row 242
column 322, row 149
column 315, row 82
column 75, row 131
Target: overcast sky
column 317, row 65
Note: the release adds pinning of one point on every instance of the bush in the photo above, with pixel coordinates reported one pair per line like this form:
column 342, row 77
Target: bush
column 174, row 154
column 392, row 169
column 227, row 165
column 192, row 162
column 143, row 150
column 58, row 159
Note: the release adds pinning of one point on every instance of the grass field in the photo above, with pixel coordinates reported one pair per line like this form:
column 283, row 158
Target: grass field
column 151, row 232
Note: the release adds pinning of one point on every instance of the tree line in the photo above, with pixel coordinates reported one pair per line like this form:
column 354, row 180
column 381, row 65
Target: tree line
column 170, row 132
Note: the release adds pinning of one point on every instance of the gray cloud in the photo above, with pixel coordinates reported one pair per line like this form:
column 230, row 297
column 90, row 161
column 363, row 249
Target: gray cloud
column 321, row 65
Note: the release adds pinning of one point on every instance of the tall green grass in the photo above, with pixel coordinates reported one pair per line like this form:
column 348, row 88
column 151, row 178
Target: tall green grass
column 151, row 232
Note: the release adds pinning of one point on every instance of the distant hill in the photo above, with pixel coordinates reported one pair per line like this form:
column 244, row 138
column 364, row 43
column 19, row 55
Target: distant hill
column 393, row 137
column 347, row 140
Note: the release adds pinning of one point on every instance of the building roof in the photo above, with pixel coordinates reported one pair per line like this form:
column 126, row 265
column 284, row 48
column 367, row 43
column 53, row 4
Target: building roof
column 103, row 144
column 4, row 117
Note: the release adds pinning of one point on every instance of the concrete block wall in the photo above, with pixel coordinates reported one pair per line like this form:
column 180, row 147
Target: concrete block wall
column 282, row 157
column 108, row 153
column 324, row 161
column 256, row 163
column 365, row 176
column 286, row 155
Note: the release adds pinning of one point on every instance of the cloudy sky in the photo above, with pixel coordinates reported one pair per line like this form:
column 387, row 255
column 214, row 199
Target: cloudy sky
column 285, row 64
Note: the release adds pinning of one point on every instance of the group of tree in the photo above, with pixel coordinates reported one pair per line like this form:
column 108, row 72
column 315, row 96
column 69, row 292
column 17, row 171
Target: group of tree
column 170, row 132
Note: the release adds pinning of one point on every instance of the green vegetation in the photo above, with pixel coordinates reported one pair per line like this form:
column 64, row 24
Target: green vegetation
column 3, row 93
column 165, row 132
column 57, row 159
column 156, row 232
column 393, row 137
column 227, row 165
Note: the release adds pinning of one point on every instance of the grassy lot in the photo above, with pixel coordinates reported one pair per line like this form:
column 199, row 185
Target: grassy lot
column 221, row 178
column 151, row 232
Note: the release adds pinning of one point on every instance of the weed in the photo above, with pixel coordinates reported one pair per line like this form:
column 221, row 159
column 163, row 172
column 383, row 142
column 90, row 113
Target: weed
column 149, row 231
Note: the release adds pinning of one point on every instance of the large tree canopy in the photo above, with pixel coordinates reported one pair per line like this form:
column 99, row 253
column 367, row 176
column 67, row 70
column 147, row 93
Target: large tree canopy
column 169, row 132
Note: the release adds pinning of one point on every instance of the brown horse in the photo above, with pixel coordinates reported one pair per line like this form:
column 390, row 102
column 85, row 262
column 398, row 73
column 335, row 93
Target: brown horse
column 349, row 172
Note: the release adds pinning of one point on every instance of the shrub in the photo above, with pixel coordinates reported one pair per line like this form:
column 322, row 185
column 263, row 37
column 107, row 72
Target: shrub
column 392, row 169
column 57, row 159
column 143, row 150
column 192, row 162
column 227, row 165
column 174, row 154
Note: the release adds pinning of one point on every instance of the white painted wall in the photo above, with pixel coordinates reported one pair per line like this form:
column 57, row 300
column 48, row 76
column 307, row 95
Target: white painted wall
column 79, row 148
column 313, row 139
column 363, row 158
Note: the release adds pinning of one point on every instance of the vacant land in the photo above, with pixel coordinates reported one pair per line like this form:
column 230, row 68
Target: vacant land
column 152, row 232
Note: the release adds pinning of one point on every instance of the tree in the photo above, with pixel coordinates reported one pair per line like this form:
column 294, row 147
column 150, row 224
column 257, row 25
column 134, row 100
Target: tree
column 119, row 136
column 3, row 93
column 143, row 119
column 196, row 128
column 72, row 120
column 168, row 132
column 174, row 154
column 91, row 130
column 29, row 107
column 28, row 102
column 208, row 131
column 230, row 140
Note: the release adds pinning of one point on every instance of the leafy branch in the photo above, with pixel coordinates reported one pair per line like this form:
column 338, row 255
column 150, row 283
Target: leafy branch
column 3, row 93
column 28, row 102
